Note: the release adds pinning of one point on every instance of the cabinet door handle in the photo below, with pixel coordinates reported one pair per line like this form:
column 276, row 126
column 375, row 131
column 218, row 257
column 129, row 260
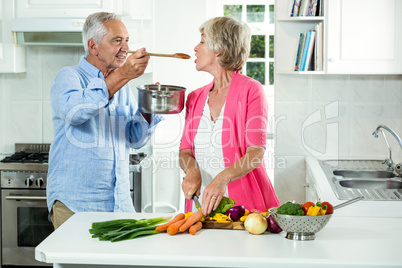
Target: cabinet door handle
column 331, row 59
column 306, row 185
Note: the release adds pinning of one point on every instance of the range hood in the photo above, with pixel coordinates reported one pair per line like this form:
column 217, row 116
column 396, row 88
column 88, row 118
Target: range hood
column 47, row 31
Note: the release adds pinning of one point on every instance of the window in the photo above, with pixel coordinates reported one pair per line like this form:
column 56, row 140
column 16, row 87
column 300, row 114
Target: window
column 259, row 15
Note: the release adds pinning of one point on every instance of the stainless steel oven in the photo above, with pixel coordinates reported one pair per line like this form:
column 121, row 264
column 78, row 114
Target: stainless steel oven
column 24, row 214
column 25, row 224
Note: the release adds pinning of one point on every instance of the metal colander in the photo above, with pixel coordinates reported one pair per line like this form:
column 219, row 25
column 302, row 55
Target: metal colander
column 300, row 227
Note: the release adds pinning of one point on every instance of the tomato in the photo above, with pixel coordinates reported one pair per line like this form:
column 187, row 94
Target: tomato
column 330, row 208
column 306, row 205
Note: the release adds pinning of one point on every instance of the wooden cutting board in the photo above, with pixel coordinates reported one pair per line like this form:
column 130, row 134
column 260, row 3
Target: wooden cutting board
column 235, row 225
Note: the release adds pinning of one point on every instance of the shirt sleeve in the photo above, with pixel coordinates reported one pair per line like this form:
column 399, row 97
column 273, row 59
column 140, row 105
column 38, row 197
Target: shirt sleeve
column 257, row 117
column 186, row 142
column 139, row 131
column 77, row 103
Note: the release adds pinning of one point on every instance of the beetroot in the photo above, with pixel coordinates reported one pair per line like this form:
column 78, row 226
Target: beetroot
column 273, row 226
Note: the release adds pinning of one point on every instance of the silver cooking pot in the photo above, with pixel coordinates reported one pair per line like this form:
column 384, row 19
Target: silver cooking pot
column 161, row 99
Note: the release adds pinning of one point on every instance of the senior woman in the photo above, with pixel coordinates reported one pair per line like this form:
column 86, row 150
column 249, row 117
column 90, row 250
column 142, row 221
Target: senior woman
column 224, row 136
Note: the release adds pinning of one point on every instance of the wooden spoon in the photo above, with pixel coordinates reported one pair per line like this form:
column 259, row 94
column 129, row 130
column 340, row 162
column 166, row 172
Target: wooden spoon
column 175, row 55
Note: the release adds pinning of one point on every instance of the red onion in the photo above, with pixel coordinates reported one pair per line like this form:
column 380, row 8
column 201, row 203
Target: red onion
column 273, row 226
column 236, row 212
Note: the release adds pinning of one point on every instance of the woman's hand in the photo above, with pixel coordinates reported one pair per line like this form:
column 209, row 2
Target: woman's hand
column 212, row 195
column 214, row 192
column 191, row 183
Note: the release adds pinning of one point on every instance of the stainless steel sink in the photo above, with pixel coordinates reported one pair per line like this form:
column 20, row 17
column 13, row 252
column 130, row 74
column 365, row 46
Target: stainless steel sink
column 369, row 174
column 368, row 178
column 371, row 184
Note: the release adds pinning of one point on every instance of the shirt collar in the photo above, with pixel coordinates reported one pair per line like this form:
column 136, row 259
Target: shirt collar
column 90, row 69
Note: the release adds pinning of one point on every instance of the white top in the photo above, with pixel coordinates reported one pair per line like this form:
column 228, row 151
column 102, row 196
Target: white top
column 344, row 242
column 208, row 147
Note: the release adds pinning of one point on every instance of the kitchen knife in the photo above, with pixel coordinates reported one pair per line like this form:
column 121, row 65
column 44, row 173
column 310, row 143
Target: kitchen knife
column 197, row 203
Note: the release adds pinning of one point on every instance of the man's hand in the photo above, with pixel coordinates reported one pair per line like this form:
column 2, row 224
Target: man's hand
column 135, row 64
column 133, row 67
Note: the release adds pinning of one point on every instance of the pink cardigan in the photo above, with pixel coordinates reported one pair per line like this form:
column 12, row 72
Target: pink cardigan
column 245, row 123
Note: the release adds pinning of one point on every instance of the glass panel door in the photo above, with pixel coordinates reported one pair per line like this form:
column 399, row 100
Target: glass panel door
column 33, row 226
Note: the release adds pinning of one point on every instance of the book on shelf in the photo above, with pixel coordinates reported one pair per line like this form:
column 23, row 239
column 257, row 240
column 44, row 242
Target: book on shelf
column 309, row 56
column 306, row 45
column 313, row 8
column 304, row 6
column 299, row 47
column 307, row 8
column 295, row 8
column 318, row 51
column 308, row 66
column 299, row 58
column 320, row 8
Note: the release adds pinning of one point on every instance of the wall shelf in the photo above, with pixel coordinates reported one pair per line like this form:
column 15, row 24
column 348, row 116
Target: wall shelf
column 305, row 18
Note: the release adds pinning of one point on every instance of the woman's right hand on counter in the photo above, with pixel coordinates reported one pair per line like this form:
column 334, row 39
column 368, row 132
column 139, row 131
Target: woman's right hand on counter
column 191, row 183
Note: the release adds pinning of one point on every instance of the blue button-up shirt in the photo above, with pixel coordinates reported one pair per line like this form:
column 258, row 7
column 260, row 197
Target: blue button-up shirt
column 89, row 156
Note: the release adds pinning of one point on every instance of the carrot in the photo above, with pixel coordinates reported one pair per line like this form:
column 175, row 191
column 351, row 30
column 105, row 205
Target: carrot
column 174, row 228
column 191, row 220
column 163, row 227
column 195, row 227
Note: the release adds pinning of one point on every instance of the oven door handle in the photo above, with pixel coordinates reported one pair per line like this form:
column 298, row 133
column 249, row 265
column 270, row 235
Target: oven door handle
column 35, row 198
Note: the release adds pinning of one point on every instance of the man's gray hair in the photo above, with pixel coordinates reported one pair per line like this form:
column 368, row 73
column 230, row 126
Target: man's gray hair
column 94, row 29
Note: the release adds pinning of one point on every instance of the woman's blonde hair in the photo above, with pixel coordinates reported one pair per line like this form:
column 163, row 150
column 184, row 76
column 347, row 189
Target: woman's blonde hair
column 230, row 39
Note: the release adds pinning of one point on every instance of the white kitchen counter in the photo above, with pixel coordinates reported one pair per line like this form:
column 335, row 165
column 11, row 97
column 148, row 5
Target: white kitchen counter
column 344, row 242
column 361, row 208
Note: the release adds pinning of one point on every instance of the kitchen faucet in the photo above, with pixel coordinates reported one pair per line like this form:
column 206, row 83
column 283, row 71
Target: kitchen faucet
column 387, row 161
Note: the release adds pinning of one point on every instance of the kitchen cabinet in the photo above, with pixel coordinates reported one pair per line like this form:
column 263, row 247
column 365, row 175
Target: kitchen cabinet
column 137, row 16
column 364, row 37
column 134, row 9
column 359, row 37
column 64, row 8
column 12, row 58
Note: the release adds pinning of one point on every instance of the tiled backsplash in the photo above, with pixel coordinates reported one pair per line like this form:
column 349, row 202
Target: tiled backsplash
column 330, row 116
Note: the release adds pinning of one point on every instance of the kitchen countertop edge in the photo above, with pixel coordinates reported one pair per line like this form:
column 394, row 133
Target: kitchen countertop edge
column 77, row 247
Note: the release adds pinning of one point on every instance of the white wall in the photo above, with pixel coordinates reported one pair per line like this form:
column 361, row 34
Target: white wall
column 358, row 103
column 176, row 30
